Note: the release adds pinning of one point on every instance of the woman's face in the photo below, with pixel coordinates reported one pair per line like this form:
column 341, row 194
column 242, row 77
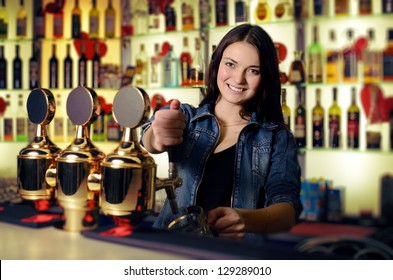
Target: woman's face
column 238, row 74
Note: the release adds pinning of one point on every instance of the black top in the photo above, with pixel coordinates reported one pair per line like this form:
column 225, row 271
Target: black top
column 217, row 183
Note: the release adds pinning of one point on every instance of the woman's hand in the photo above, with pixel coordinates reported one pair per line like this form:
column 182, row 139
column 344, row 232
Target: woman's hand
column 227, row 222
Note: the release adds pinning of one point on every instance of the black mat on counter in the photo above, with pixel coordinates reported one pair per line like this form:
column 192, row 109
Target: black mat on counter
column 187, row 245
column 25, row 214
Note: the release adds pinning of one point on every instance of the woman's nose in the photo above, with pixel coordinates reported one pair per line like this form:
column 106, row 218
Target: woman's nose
column 239, row 76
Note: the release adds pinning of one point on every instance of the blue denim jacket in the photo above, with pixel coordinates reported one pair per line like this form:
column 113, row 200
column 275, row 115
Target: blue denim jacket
column 266, row 165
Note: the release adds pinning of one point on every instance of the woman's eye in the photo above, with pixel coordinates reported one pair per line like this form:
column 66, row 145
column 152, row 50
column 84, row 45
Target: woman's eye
column 230, row 64
column 254, row 71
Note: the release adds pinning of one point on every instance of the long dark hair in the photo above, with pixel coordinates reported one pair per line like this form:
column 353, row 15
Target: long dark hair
column 266, row 102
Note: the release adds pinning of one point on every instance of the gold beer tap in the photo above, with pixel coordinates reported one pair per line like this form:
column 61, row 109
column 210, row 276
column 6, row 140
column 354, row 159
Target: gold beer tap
column 39, row 156
column 77, row 163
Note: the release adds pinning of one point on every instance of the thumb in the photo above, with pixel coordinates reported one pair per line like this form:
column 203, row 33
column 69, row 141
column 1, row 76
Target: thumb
column 175, row 104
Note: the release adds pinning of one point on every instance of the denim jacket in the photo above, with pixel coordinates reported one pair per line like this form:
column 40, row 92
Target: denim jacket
column 266, row 165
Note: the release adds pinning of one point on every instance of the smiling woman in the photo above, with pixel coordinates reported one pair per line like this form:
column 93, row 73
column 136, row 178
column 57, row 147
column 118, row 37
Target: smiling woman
column 237, row 159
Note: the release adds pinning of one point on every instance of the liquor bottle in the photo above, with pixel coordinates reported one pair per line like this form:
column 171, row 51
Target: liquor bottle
column 82, row 67
column 21, row 20
column 387, row 6
column 365, row 7
column 300, row 120
column 353, row 122
column 170, row 69
column 58, row 20
column 141, row 67
column 334, row 122
column 94, row 21
column 315, row 52
column 283, row 10
column 341, row 7
column 141, row 16
column 156, row 68
column 68, row 64
column 21, row 120
column 374, row 121
column 8, row 121
column 187, row 10
column 170, row 17
column 185, row 63
column 241, row 11
column 17, row 69
column 318, row 116
column 110, row 20
column 262, row 12
column 96, row 67
column 372, row 61
column 53, row 69
column 332, row 59
column 197, row 66
column 76, row 19
column 113, row 129
column 221, row 12
column 350, row 62
column 57, row 125
column 297, row 72
column 156, row 19
column 387, row 58
column 3, row 69
column 39, row 21
column 34, row 69
column 205, row 14
column 321, row 7
column 286, row 111
column 3, row 20
column 98, row 127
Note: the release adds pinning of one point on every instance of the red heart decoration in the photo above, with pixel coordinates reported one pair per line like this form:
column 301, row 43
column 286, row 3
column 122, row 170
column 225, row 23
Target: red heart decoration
column 282, row 51
column 381, row 114
column 89, row 46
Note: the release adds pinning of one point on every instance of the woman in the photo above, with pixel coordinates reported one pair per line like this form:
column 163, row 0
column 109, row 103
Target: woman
column 237, row 159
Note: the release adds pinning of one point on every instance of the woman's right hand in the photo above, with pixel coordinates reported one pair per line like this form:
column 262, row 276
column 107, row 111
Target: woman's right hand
column 167, row 127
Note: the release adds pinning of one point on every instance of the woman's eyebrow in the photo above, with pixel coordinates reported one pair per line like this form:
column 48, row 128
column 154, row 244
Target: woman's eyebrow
column 234, row 61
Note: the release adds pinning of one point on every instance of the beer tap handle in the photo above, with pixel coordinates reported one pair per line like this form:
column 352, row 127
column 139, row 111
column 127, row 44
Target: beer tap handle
column 170, row 189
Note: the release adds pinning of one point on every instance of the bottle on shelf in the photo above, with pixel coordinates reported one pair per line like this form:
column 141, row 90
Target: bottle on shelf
column 53, row 69
column 21, row 21
column 3, row 69
column 8, row 121
column 185, row 64
column 76, row 20
column 34, row 69
column 21, row 120
column 98, row 127
column 286, row 111
column 96, row 67
column 156, row 19
column 94, row 21
column 315, row 56
column 374, row 121
column 262, row 12
column 205, row 14
column 110, row 20
column 353, row 122
column 321, row 7
column 241, row 11
column 372, row 61
column 113, row 129
column 187, row 10
column 57, row 126
column 387, row 58
column 334, row 122
column 283, row 75
column 197, row 66
column 82, row 67
column 17, row 69
column 387, row 6
column 58, row 20
column 141, row 68
column 68, row 68
column 341, row 7
column 221, row 12
column 39, row 21
column 332, row 59
column 318, row 121
column 170, row 69
column 297, row 69
column 350, row 61
column 300, row 120
column 283, row 10
column 170, row 17
column 155, row 67
column 3, row 20
column 391, row 128
column 365, row 7
column 140, row 17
